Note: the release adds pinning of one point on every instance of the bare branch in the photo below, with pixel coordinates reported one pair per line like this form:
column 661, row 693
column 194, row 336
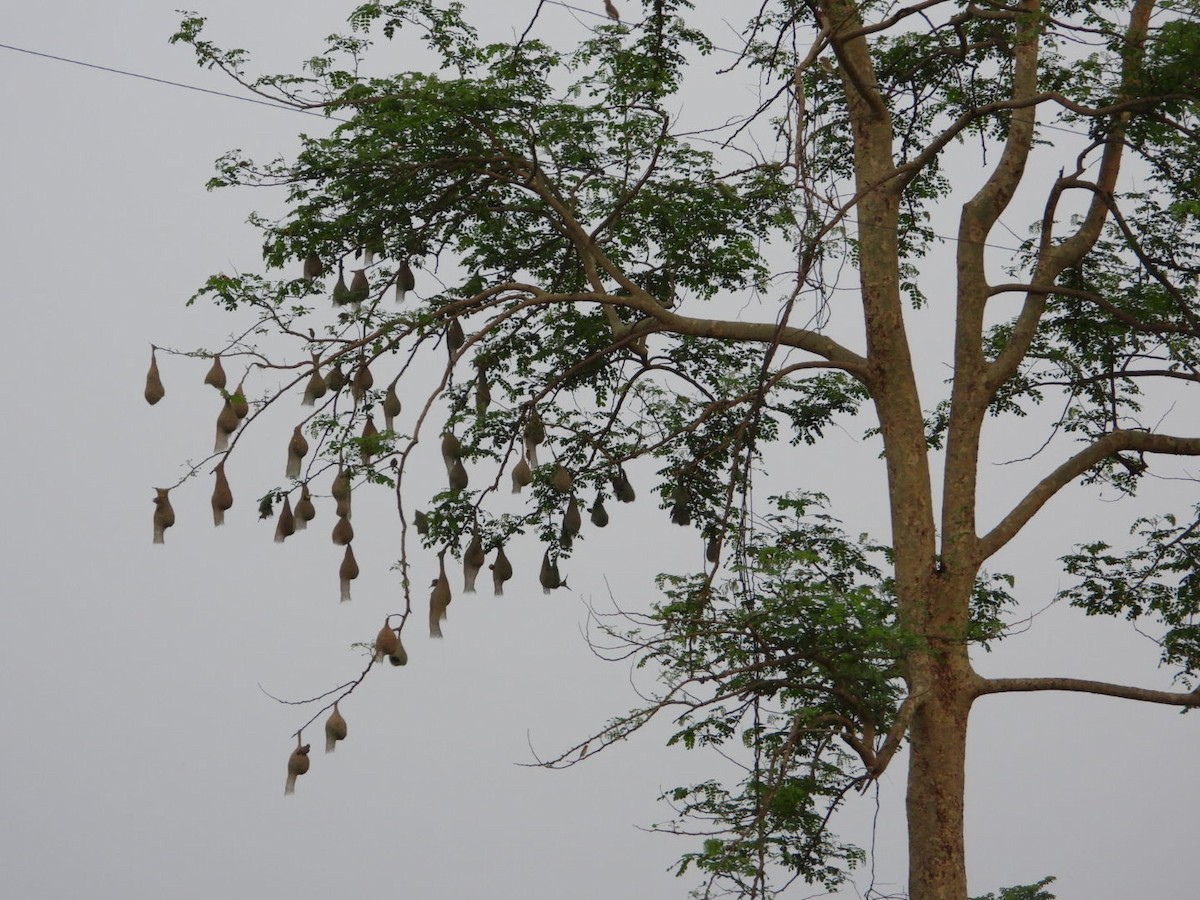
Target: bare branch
column 1083, row 685
column 1077, row 465
column 1155, row 327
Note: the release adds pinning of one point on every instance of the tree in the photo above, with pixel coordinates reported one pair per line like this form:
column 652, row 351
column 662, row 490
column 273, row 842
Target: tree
column 600, row 255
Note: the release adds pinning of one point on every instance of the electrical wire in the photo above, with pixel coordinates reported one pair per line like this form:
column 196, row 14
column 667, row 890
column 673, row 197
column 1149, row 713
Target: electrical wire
column 166, row 81
column 283, row 106
column 312, row 112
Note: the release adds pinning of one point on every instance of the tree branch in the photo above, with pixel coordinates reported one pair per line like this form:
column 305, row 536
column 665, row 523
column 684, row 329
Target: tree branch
column 1054, row 259
column 1156, row 327
column 1077, row 465
column 839, row 19
column 968, row 397
column 895, row 737
column 1085, row 686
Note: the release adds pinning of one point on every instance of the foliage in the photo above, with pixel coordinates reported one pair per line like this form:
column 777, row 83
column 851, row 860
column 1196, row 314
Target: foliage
column 1157, row 578
column 1022, row 892
column 797, row 656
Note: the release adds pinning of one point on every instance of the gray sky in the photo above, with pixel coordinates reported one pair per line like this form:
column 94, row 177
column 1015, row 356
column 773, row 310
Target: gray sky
column 143, row 761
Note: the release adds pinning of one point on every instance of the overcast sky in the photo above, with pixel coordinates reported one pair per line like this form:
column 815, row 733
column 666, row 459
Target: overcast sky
column 142, row 760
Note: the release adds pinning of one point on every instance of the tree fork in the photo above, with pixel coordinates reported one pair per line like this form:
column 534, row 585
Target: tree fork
column 933, row 603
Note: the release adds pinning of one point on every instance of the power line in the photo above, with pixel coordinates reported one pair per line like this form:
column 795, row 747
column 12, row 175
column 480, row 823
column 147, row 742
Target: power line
column 178, row 84
column 282, row 106
column 294, row 109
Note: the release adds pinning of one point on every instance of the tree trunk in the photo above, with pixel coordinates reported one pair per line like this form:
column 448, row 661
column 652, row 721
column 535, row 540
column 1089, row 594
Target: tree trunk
column 937, row 776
